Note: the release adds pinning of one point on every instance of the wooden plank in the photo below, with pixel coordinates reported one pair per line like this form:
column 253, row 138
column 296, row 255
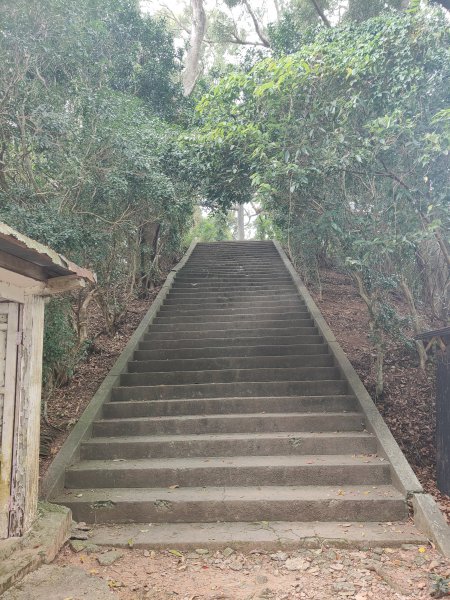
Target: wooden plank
column 443, row 421
column 57, row 285
column 23, row 267
column 7, row 426
column 24, row 493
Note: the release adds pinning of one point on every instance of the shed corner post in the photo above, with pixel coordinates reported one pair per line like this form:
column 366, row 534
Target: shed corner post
column 25, row 483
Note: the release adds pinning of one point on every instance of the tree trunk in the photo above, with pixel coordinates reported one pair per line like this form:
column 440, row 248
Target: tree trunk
column 191, row 69
column 321, row 13
column 240, row 222
column 148, row 242
column 415, row 322
column 376, row 334
column 379, row 376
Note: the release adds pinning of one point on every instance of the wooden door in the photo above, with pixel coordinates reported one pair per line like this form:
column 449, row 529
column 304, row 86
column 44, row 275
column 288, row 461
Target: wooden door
column 9, row 343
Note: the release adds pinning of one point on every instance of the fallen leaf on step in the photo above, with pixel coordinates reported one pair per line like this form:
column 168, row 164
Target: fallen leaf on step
column 175, row 553
column 173, row 487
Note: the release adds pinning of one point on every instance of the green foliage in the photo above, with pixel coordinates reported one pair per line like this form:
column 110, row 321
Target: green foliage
column 361, row 10
column 297, row 26
column 214, row 227
column 61, row 352
column 89, row 154
column 345, row 144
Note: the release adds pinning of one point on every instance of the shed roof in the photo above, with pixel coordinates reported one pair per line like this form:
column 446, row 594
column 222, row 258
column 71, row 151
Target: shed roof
column 23, row 255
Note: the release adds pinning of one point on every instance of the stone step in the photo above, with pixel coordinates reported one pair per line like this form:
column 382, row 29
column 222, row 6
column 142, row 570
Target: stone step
column 216, row 424
column 231, row 351
column 224, row 316
column 254, row 270
column 217, row 324
column 229, row 376
column 246, row 292
column 228, row 444
column 209, row 505
column 199, row 289
column 257, row 535
column 196, row 297
column 212, row 332
column 231, row 281
column 214, row 406
column 230, row 471
column 204, row 364
column 241, row 388
column 220, row 342
column 219, row 262
column 241, row 306
column 232, row 291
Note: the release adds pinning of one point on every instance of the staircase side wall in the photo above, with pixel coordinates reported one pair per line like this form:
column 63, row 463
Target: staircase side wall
column 427, row 515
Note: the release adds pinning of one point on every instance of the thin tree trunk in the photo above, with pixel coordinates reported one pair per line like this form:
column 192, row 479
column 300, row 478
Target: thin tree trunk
column 376, row 335
column 321, row 13
column 191, row 69
column 379, row 376
column 240, row 222
column 415, row 322
column 257, row 26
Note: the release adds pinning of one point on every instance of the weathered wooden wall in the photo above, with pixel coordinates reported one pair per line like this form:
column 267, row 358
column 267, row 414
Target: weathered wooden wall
column 25, row 476
column 9, row 325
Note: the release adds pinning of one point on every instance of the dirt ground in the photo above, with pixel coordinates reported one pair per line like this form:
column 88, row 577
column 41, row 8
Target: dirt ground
column 408, row 403
column 323, row 574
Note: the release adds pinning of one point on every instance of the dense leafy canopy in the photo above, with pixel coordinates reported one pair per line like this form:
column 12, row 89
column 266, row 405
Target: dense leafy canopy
column 90, row 114
column 345, row 144
column 334, row 124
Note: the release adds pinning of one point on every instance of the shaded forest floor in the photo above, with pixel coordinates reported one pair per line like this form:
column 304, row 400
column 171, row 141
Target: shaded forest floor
column 408, row 403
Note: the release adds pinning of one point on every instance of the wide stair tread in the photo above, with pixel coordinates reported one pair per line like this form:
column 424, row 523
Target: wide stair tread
column 230, row 471
column 227, row 444
column 246, row 536
column 236, row 503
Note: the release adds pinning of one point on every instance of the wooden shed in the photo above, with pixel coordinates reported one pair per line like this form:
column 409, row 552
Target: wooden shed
column 29, row 273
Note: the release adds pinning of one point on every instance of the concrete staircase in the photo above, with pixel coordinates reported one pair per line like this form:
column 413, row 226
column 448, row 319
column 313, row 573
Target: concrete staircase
column 232, row 425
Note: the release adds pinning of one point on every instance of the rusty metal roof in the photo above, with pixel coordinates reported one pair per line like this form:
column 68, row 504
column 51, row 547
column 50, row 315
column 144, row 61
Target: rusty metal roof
column 50, row 264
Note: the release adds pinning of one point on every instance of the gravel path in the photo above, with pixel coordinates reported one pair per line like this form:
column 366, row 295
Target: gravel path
column 326, row 573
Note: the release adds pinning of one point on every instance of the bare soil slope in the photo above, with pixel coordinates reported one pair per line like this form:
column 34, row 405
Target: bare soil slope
column 408, row 403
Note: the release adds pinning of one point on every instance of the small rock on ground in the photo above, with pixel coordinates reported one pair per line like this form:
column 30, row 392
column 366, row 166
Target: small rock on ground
column 109, row 558
column 83, row 546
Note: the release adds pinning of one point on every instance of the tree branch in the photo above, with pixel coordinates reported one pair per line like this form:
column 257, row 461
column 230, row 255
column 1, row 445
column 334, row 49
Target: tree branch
column 321, row 13
column 257, row 26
